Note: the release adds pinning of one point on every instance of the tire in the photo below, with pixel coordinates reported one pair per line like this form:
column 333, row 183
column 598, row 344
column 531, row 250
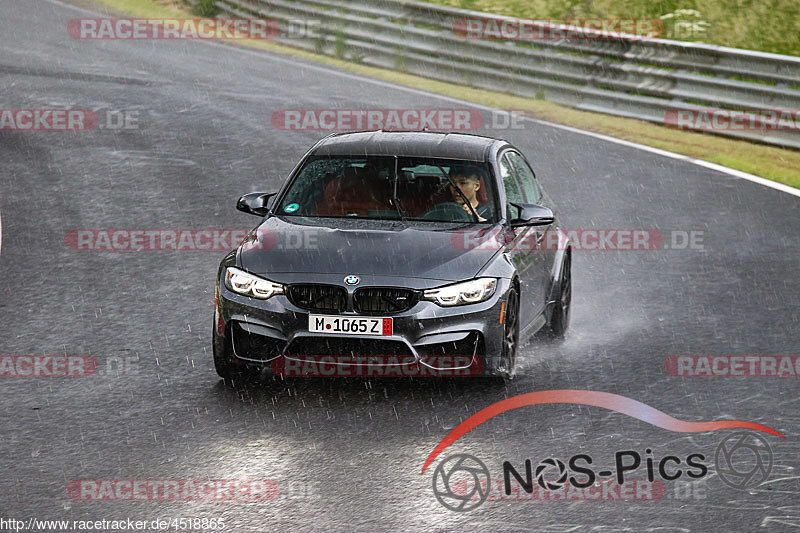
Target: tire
column 506, row 367
column 224, row 362
column 560, row 316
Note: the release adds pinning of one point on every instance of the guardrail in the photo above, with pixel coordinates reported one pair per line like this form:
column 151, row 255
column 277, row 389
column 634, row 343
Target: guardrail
column 625, row 76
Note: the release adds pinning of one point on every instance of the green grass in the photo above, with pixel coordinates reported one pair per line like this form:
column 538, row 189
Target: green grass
column 765, row 25
column 146, row 8
column 206, row 8
column 777, row 164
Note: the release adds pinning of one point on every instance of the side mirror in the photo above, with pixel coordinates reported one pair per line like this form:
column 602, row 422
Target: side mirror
column 532, row 215
column 255, row 203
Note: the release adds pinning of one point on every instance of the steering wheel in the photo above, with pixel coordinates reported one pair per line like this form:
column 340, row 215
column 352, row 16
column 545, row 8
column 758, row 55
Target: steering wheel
column 449, row 211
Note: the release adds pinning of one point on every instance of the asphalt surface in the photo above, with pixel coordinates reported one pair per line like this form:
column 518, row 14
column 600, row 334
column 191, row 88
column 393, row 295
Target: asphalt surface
column 347, row 454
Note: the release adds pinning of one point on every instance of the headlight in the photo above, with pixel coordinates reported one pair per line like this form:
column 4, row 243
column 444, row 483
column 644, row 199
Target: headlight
column 242, row 282
column 468, row 292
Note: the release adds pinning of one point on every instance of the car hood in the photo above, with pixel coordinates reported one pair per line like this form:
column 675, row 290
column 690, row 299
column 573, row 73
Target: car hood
column 362, row 247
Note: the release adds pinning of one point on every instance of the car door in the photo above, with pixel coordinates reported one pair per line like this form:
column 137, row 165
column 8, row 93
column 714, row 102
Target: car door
column 533, row 254
column 522, row 248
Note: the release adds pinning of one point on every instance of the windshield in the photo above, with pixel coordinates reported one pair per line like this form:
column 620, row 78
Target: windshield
column 392, row 188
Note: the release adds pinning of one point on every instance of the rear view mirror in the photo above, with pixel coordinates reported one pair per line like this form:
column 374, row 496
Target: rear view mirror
column 255, row 203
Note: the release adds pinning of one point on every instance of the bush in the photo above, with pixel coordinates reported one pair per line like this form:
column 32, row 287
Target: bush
column 206, row 8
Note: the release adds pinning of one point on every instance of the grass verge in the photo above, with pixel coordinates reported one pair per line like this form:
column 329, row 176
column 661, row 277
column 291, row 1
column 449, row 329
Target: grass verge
column 777, row 164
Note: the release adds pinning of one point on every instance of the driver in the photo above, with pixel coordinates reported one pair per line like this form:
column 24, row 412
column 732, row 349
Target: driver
column 468, row 179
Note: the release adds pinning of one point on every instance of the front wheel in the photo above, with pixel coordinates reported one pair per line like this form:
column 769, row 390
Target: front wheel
column 559, row 319
column 225, row 365
column 507, row 367
column 223, row 358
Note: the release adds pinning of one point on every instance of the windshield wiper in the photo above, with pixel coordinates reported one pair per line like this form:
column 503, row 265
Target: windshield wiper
column 460, row 192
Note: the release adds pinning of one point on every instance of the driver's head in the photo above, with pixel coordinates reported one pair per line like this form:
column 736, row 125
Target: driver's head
column 468, row 179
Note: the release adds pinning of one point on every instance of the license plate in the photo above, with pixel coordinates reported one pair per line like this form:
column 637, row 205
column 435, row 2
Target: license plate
column 349, row 325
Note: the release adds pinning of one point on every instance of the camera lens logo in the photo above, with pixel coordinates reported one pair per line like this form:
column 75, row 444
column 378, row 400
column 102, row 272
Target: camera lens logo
column 458, row 479
column 546, row 466
column 743, row 460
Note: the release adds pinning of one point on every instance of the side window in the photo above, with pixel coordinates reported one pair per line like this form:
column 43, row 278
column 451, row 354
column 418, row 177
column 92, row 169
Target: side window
column 512, row 188
column 513, row 191
column 526, row 177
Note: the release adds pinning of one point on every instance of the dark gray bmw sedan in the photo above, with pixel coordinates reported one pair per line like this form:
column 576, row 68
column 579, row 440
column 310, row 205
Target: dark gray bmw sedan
column 395, row 253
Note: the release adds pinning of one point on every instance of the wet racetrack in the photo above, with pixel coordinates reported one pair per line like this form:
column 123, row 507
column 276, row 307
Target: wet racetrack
column 347, row 453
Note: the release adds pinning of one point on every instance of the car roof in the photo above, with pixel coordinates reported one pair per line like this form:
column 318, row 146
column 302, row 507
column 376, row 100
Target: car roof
column 444, row 145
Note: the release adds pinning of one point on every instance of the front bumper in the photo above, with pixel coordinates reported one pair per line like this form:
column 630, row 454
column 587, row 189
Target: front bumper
column 429, row 337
